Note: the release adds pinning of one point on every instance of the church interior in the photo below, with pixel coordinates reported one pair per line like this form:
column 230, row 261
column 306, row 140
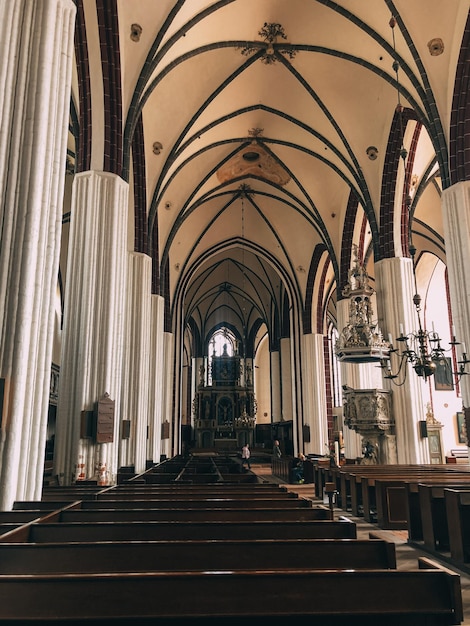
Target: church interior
column 231, row 223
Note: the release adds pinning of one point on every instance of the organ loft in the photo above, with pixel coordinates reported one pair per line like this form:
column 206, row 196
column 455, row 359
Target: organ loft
column 224, row 405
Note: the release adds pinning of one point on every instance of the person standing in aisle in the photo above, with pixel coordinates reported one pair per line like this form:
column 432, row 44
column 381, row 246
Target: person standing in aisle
column 246, row 453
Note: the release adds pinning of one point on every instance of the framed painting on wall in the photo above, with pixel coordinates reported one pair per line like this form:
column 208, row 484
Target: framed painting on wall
column 443, row 377
column 461, row 428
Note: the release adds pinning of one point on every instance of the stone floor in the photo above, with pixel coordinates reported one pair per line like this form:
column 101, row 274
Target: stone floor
column 407, row 555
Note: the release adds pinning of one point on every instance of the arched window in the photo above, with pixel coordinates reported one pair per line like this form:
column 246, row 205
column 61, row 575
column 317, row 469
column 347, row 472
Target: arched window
column 222, row 342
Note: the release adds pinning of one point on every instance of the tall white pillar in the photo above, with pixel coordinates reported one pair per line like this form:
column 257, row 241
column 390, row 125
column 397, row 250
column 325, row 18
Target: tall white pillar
column 156, row 378
column 275, row 386
column 286, row 379
column 456, row 217
column 93, row 332
column 36, row 57
column 168, row 443
column 314, row 393
column 394, row 278
column 135, row 384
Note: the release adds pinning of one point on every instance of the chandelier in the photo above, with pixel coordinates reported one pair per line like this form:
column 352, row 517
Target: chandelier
column 421, row 348
column 361, row 340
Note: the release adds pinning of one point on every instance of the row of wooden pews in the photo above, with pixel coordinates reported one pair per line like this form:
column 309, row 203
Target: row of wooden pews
column 196, row 554
column 195, row 469
column 431, row 502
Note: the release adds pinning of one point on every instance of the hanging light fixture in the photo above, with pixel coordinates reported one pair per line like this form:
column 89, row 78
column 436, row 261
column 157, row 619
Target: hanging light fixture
column 421, row 348
column 247, row 417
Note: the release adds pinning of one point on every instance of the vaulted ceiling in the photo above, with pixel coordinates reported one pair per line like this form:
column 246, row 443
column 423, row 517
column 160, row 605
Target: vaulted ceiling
column 260, row 134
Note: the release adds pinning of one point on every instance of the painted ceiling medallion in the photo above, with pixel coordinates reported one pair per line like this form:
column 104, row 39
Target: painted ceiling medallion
column 255, row 161
column 270, row 33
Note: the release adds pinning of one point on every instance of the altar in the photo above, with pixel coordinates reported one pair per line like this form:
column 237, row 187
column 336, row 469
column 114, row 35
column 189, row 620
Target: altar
column 224, row 411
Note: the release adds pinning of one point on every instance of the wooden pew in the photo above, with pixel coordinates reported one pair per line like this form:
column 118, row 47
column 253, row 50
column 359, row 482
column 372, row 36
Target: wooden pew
column 41, row 506
column 359, row 486
column 80, row 515
column 197, row 503
column 71, row 492
column 196, row 493
column 9, row 520
column 392, row 496
column 409, row 598
column 49, row 531
column 176, row 488
column 436, row 532
column 381, row 488
column 142, row 556
column 181, row 495
column 282, row 468
column 457, row 503
column 20, row 517
column 322, row 474
column 414, row 503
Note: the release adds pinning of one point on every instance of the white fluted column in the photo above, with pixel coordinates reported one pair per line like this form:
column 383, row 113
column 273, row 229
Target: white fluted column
column 36, row 56
column 156, row 378
column 135, row 387
column 286, row 379
column 394, row 278
column 93, row 332
column 276, row 404
column 167, row 445
column 456, row 218
column 314, row 393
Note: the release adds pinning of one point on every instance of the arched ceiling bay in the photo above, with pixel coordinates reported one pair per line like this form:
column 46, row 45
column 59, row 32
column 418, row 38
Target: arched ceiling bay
column 273, row 104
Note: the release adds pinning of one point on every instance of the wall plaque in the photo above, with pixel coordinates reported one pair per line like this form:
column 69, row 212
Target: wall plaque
column 105, row 420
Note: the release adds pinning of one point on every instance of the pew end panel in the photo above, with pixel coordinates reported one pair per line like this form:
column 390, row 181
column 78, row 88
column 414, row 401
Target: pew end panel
column 452, row 581
column 457, row 503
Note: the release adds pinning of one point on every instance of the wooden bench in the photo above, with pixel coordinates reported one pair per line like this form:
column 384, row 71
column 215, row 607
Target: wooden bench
column 457, row 502
column 57, row 493
column 142, row 556
column 197, row 503
column 10, row 520
column 20, row 517
column 282, row 468
column 410, row 598
column 414, row 503
column 50, row 532
column 358, row 485
column 181, row 495
column 392, row 496
column 175, row 489
column 193, row 515
column 363, row 482
column 435, row 519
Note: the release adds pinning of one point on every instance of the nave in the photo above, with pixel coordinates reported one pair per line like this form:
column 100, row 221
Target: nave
column 230, row 545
